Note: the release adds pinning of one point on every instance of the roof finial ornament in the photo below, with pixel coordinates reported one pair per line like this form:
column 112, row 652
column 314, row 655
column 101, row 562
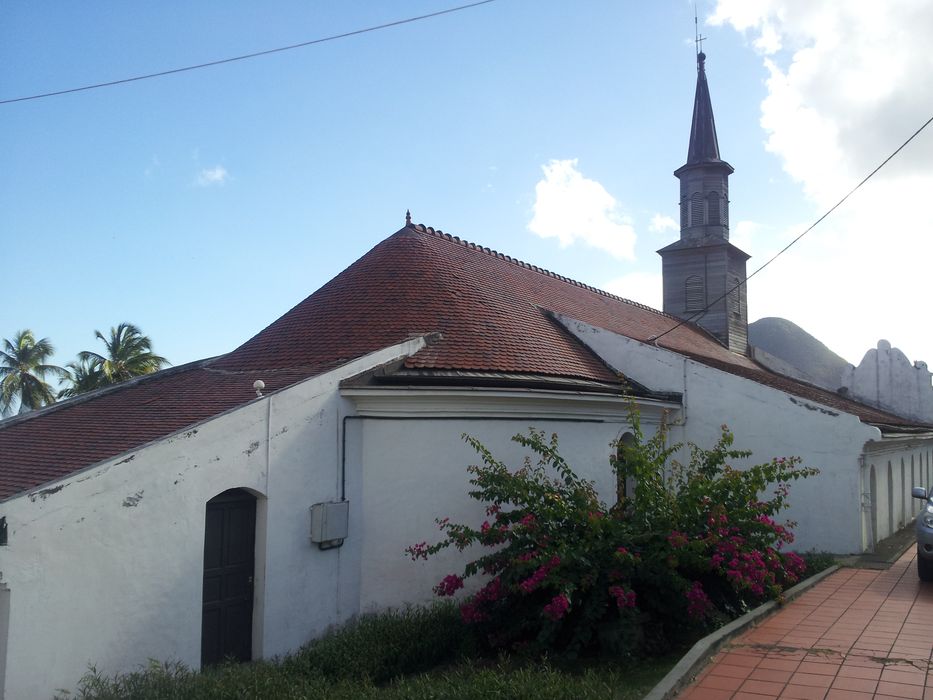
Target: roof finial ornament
column 698, row 38
column 408, row 217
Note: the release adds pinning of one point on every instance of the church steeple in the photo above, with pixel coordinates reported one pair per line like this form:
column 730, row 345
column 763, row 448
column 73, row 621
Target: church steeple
column 704, row 147
column 704, row 178
column 703, row 266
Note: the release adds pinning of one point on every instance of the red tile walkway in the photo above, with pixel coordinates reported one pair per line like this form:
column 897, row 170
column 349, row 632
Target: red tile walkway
column 857, row 634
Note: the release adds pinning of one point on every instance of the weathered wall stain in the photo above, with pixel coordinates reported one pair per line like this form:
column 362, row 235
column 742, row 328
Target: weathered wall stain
column 133, row 501
column 253, row 446
column 45, row 493
column 811, row 407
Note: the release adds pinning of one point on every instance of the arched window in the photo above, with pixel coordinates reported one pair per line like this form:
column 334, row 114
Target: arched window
column 696, row 210
column 712, row 207
column 694, row 293
column 625, row 483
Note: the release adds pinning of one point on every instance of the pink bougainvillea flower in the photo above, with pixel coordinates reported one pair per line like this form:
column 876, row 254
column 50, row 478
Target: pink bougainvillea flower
column 449, row 585
column 557, row 608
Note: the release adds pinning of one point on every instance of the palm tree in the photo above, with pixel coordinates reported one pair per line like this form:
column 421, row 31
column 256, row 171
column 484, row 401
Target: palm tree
column 129, row 354
column 23, row 370
column 83, row 376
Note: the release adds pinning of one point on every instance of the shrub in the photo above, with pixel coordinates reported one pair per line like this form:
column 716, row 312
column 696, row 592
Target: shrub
column 387, row 645
column 565, row 573
column 349, row 662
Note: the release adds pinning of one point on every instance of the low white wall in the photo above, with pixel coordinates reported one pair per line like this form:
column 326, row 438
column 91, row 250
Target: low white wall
column 105, row 567
column 897, row 465
column 768, row 421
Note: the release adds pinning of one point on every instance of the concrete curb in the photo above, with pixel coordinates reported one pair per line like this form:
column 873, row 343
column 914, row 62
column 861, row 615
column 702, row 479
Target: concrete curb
column 701, row 652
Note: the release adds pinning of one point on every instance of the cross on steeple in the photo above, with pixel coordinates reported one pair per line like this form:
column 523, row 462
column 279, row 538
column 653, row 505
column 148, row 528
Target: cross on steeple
column 698, row 38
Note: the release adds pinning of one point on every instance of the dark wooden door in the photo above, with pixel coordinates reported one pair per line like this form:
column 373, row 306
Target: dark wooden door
column 229, row 553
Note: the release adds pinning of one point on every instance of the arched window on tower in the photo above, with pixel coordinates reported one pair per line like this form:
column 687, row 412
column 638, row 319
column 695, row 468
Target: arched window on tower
column 696, row 210
column 713, row 207
column 694, row 293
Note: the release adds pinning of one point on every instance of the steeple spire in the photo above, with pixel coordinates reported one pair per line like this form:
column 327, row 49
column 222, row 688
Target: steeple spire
column 704, row 147
column 702, row 267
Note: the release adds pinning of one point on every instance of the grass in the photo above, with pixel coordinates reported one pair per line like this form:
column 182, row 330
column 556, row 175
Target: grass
column 413, row 653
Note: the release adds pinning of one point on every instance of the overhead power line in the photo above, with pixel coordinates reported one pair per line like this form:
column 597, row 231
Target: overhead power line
column 783, row 250
column 244, row 57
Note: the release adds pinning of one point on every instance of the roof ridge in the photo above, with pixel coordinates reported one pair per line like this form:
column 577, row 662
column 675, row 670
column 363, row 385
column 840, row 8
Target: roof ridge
column 438, row 233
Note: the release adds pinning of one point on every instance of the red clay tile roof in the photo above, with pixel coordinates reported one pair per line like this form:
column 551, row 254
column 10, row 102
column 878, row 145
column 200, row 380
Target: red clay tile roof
column 492, row 313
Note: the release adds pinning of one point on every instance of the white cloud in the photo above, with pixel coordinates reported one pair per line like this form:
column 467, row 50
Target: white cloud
column 217, row 175
column 743, row 235
column 643, row 287
column 848, row 83
column 662, row 224
column 572, row 208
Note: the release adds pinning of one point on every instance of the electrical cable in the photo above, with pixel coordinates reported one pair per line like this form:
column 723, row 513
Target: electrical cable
column 246, row 56
column 696, row 315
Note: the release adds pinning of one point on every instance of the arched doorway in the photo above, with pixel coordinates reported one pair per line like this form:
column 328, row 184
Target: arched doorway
column 873, row 505
column 890, row 502
column 229, row 559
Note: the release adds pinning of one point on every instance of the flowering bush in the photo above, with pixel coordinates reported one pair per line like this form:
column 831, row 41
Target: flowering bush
column 565, row 573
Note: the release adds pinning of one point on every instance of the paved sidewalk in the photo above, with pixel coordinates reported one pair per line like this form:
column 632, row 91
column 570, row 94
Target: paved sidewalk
column 858, row 634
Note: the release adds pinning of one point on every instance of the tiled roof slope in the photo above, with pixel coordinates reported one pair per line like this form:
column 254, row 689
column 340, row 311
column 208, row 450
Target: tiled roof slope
column 63, row 438
column 490, row 309
column 492, row 313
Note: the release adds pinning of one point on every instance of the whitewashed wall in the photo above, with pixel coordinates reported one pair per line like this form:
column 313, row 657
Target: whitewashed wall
column 412, row 469
column 889, row 470
column 772, row 423
column 106, row 566
column 886, row 378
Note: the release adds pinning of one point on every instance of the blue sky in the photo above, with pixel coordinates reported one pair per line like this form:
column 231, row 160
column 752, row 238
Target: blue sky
column 202, row 206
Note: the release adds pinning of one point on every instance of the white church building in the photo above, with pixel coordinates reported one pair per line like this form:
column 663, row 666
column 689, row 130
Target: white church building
column 189, row 515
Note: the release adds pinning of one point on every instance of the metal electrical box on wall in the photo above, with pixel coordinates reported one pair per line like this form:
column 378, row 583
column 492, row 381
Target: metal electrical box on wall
column 329, row 522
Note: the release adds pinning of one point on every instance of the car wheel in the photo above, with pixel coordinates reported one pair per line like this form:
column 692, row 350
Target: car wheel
column 925, row 568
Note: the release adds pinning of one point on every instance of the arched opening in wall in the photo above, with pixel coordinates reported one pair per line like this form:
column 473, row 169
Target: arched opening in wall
column 928, row 470
column 229, row 567
column 712, row 208
column 625, row 487
column 4, row 633
column 890, row 500
column 873, row 505
column 694, row 293
column 902, row 513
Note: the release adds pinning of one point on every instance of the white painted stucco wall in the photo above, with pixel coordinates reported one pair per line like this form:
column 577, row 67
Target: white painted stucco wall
column 412, row 469
column 772, row 423
column 886, row 378
column 105, row 567
column 890, row 469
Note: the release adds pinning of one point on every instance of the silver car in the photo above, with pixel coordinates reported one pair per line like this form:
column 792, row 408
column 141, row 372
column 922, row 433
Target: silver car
column 924, row 528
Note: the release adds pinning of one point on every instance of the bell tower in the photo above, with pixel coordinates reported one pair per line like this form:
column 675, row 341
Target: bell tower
column 701, row 268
